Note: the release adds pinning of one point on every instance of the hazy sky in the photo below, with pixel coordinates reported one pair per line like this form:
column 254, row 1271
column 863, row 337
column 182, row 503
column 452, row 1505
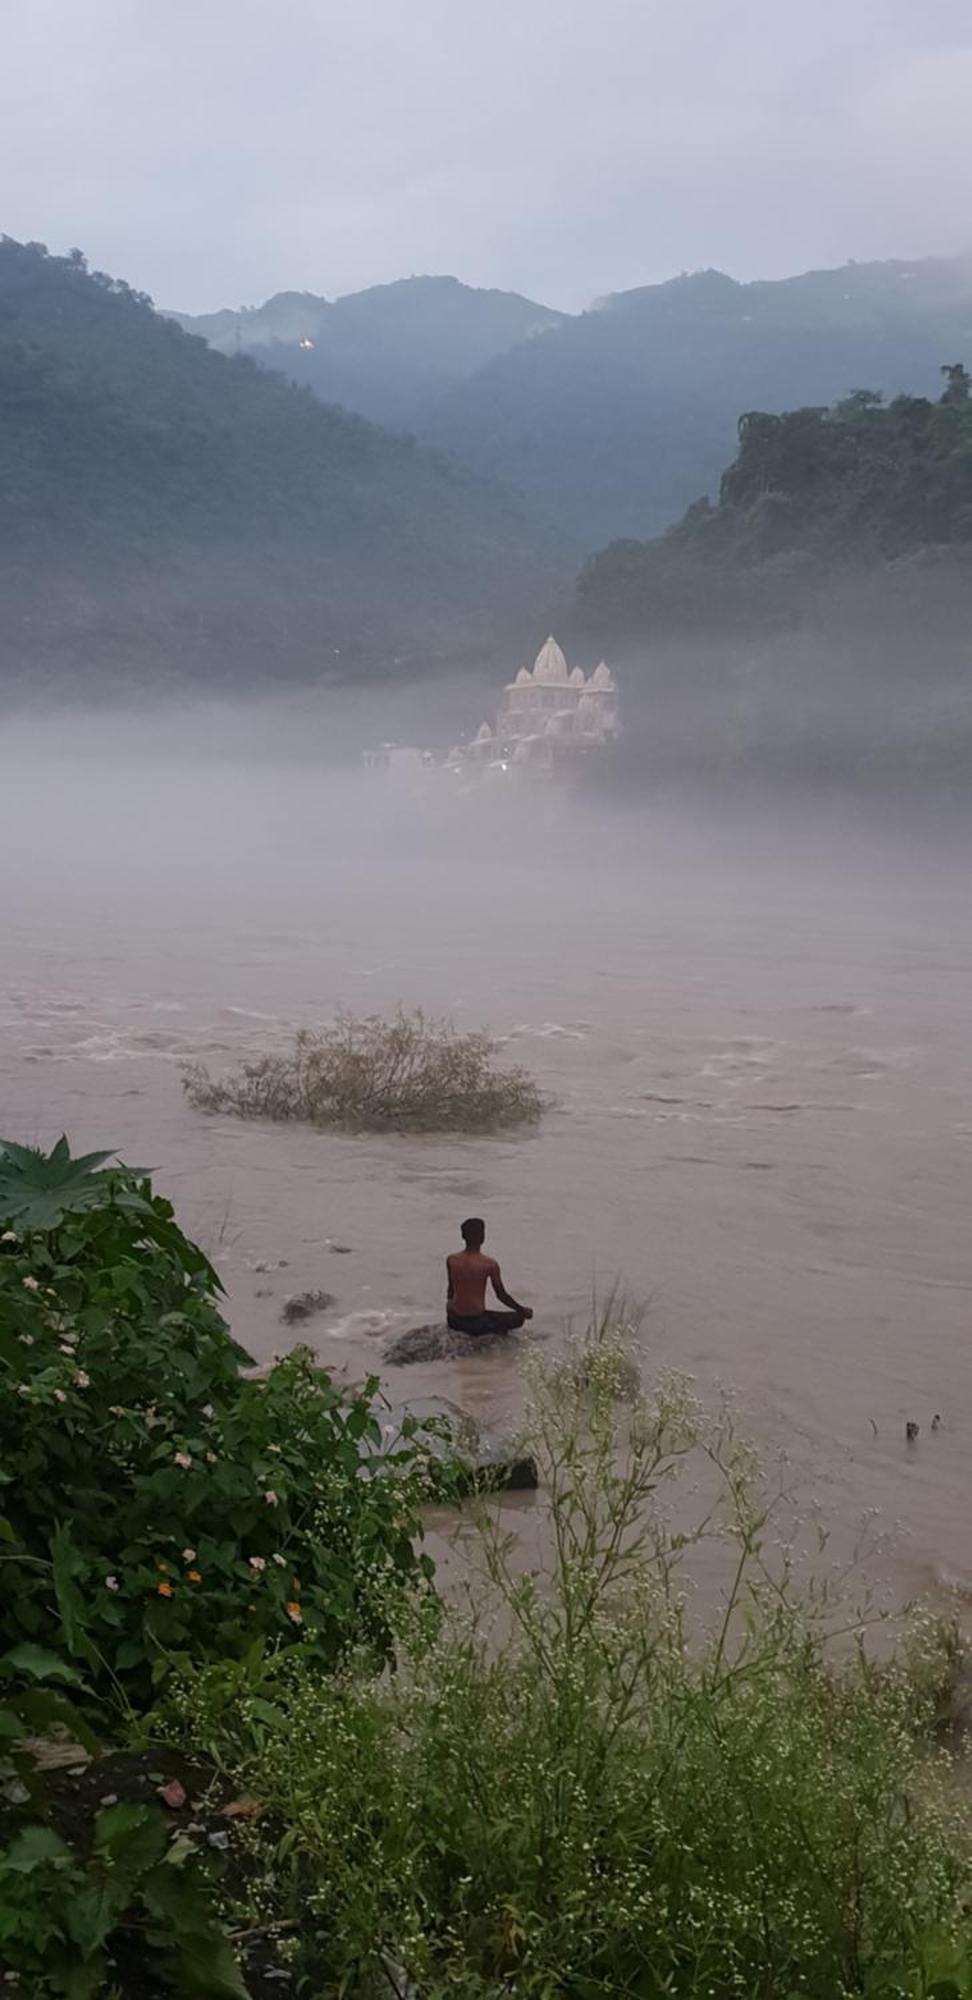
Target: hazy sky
column 214, row 151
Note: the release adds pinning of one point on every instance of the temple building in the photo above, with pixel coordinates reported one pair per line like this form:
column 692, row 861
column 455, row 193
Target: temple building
column 549, row 712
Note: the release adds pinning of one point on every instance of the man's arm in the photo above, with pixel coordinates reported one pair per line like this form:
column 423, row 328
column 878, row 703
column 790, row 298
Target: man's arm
column 506, row 1298
column 449, row 1281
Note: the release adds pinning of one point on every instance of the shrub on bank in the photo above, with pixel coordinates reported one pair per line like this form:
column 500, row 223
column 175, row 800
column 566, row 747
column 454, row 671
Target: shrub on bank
column 409, row 1074
column 595, row 1805
column 157, row 1503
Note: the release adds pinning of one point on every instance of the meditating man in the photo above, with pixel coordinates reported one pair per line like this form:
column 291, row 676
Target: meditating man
column 469, row 1273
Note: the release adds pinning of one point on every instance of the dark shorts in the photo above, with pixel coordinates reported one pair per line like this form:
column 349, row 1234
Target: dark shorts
column 484, row 1322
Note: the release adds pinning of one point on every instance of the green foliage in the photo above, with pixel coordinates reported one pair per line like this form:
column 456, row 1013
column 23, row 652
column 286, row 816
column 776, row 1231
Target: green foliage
column 165, row 504
column 159, row 1503
column 409, row 1074
column 33, row 1704
column 811, row 496
column 39, row 1189
column 62, row 1913
column 605, row 1801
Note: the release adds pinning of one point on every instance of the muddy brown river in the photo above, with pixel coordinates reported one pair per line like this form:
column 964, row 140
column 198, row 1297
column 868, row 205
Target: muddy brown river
column 757, row 1035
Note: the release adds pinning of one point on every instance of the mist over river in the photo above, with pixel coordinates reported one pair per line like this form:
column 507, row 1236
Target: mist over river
column 757, row 1034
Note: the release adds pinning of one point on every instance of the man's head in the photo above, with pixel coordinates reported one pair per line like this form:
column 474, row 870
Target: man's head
column 473, row 1232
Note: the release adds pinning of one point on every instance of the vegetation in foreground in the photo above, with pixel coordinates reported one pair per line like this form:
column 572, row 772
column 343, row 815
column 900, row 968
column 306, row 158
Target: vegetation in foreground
column 597, row 1804
column 409, row 1074
column 357, row 1790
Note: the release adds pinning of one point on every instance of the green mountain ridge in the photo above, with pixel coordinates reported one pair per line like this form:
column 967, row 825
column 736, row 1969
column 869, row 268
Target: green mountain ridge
column 388, row 353
column 620, row 418
column 612, row 421
column 167, row 510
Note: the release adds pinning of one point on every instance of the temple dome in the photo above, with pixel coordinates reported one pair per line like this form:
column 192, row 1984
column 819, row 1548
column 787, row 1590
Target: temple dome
column 550, row 666
column 484, row 733
column 601, row 678
column 523, row 678
column 577, row 677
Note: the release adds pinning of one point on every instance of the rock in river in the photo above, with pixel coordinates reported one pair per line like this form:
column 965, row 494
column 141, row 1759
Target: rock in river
column 437, row 1342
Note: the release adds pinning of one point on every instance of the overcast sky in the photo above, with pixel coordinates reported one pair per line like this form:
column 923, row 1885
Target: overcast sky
column 215, row 151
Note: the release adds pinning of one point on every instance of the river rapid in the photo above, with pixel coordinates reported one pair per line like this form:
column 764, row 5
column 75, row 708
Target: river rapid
column 756, row 1030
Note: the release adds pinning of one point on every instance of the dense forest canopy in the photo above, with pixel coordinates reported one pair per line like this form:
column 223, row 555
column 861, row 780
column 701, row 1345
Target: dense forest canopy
column 165, row 508
column 813, row 499
column 816, row 621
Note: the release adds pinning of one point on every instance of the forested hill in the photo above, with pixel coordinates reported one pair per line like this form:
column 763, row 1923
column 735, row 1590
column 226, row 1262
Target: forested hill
column 616, row 420
column 167, row 511
column 814, row 625
column 389, row 353
column 867, row 502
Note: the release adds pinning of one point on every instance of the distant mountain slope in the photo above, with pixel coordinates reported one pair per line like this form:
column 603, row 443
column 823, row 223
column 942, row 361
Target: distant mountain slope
column 389, row 353
column 619, row 419
column 166, row 509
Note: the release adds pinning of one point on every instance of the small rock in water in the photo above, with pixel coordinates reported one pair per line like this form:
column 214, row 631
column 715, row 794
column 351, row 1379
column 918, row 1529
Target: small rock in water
column 303, row 1305
column 911, row 1430
column 339, row 1249
column 438, row 1342
column 936, row 1422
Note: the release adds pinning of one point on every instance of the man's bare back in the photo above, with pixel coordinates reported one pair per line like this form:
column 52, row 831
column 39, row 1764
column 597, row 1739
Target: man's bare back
column 469, row 1272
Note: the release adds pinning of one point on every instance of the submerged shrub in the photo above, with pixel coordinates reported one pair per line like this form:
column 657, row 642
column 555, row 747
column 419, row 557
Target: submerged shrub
column 409, row 1074
column 595, row 1804
column 158, row 1501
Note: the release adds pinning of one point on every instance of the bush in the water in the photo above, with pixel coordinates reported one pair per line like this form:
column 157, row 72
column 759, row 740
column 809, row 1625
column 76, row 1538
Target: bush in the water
column 598, row 1804
column 409, row 1074
column 157, row 1503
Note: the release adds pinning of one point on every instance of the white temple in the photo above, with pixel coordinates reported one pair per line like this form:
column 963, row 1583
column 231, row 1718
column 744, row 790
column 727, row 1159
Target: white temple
column 549, row 712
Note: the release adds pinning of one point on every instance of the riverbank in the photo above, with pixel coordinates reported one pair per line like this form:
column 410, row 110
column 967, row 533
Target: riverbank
column 588, row 1774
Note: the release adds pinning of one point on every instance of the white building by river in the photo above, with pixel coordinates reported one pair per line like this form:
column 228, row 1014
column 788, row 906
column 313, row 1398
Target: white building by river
column 550, row 712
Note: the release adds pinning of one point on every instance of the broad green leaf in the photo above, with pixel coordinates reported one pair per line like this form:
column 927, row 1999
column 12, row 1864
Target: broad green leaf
column 132, row 1838
column 38, row 1663
column 37, row 1190
column 36, row 1847
column 202, row 1965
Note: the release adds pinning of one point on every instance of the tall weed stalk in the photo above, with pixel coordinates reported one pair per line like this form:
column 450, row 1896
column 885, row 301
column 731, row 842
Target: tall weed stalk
column 566, row 1790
